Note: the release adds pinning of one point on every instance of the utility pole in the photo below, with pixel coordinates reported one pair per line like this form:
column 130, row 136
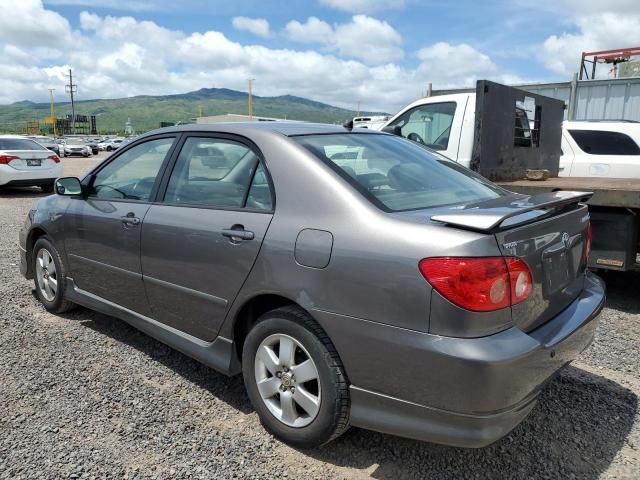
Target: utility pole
column 52, row 112
column 250, row 80
column 71, row 88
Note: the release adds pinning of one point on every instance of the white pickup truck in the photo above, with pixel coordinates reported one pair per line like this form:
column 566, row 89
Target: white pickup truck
column 589, row 148
column 503, row 133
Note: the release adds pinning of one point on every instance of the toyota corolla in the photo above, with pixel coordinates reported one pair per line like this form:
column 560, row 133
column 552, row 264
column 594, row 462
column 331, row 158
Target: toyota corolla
column 351, row 277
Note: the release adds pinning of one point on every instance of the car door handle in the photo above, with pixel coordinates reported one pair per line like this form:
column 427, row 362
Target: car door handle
column 130, row 221
column 237, row 232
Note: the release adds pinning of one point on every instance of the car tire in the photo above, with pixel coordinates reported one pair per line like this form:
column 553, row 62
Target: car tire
column 326, row 415
column 109, row 149
column 47, row 188
column 51, row 296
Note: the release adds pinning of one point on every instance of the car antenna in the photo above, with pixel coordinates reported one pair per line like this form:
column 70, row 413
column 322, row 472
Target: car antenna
column 348, row 125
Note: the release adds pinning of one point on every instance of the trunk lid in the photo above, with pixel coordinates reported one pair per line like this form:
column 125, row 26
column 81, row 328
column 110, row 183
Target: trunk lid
column 548, row 232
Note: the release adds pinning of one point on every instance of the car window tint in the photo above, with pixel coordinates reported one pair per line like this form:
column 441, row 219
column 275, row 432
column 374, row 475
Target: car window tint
column 260, row 192
column 596, row 142
column 132, row 174
column 396, row 174
column 211, row 172
column 429, row 124
column 19, row 144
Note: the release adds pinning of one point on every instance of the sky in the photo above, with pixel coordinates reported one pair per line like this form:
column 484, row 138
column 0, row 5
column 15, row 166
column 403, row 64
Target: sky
column 380, row 54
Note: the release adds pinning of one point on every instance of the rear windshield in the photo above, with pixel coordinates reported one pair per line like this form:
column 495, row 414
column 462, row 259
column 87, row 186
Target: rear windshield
column 396, row 174
column 19, row 144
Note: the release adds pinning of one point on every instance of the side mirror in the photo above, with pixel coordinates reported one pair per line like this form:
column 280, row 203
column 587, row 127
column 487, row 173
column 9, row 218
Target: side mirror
column 393, row 129
column 68, row 186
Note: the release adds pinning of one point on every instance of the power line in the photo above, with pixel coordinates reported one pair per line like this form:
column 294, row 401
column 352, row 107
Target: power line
column 72, row 88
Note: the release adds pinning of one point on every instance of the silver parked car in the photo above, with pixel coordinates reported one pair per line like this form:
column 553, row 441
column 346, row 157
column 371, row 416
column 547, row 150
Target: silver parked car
column 352, row 277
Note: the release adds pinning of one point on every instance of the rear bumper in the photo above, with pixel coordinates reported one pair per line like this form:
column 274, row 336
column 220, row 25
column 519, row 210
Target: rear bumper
column 466, row 392
column 12, row 176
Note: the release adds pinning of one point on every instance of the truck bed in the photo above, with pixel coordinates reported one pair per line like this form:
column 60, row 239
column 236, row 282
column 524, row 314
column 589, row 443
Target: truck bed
column 607, row 192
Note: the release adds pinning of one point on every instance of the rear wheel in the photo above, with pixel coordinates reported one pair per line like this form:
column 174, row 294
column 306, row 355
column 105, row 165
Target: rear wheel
column 295, row 379
column 49, row 276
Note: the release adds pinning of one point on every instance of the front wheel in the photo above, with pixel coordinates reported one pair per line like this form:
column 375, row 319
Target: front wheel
column 295, row 379
column 49, row 276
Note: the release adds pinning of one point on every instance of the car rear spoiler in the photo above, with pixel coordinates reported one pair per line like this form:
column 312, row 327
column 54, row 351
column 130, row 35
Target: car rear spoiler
column 496, row 214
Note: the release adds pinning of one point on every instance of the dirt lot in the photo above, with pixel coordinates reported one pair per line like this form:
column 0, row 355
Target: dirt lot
column 84, row 395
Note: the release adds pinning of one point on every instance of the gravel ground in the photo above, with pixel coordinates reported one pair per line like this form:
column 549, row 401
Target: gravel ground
column 83, row 395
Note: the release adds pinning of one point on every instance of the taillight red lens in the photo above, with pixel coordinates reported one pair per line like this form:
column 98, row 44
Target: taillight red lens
column 55, row 158
column 5, row 159
column 587, row 245
column 480, row 284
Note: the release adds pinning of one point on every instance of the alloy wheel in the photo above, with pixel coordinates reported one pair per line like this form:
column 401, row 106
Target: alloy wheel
column 46, row 275
column 288, row 380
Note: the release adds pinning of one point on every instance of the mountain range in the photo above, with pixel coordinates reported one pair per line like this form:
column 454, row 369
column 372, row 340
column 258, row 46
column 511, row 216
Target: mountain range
column 146, row 111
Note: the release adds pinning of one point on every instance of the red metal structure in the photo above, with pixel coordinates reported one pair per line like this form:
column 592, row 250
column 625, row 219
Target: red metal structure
column 614, row 57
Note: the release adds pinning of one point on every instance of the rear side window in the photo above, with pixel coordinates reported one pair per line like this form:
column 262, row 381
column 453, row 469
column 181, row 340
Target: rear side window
column 216, row 172
column 395, row 174
column 19, row 144
column 597, row 142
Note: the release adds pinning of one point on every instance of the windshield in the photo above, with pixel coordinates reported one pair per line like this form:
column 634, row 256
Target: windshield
column 396, row 174
column 19, row 144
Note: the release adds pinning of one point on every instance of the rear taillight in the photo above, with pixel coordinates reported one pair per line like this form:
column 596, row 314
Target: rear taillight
column 55, row 158
column 5, row 159
column 587, row 245
column 480, row 284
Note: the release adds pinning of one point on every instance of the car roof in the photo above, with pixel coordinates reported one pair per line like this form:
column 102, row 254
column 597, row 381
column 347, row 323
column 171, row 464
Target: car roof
column 604, row 125
column 287, row 129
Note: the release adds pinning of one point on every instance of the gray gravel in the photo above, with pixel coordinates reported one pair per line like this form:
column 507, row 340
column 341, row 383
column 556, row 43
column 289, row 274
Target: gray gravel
column 84, row 395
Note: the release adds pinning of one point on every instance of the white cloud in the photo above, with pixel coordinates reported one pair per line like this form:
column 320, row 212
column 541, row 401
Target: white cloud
column 455, row 62
column 28, row 23
column 366, row 38
column 363, row 6
column 371, row 40
column 602, row 31
column 257, row 26
column 313, row 30
column 122, row 56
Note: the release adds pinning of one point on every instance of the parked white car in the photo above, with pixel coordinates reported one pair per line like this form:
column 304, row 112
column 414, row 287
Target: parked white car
column 111, row 144
column 76, row 147
column 600, row 149
column 24, row 162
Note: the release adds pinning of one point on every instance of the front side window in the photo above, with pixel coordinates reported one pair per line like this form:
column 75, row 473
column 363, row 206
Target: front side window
column 216, row 172
column 398, row 175
column 131, row 175
column 428, row 124
column 597, row 142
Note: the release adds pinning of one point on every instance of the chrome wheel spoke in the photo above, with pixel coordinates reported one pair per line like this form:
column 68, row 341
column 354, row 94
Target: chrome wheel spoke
column 289, row 413
column 269, row 358
column 269, row 387
column 305, row 372
column 308, row 402
column 53, row 284
column 287, row 351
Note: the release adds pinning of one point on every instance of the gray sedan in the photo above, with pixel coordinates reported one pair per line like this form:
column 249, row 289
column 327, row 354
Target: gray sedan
column 352, row 277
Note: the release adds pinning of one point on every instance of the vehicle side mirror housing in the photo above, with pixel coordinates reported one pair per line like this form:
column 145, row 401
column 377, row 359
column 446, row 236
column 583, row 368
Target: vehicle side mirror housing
column 68, row 186
column 393, row 129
